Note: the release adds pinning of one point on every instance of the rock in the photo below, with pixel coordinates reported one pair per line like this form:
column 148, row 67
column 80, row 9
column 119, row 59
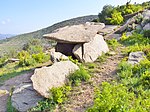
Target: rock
column 25, row 97
column 146, row 27
column 57, row 56
column 75, row 34
column 128, row 23
column 146, row 13
column 128, row 34
column 115, row 36
column 78, row 52
column 89, row 52
column 54, row 76
column 135, row 57
column 108, row 29
column 139, row 27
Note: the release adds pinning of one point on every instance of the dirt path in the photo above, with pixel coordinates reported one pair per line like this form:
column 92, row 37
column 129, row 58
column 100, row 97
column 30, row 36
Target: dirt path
column 8, row 85
column 82, row 96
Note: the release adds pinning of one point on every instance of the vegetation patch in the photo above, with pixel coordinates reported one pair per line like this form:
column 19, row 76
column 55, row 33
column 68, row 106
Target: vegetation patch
column 131, row 90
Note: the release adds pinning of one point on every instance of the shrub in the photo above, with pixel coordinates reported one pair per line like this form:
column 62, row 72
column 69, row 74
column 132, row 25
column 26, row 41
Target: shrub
column 116, row 98
column 40, row 57
column 43, row 106
column 79, row 75
column 105, row 13
column 146, row 33
column 2, row 60
column 125, row 70
column 116, row 18
column 113, row 43
column 59, row 94
column 35, row 49
column 25, row 59
column 135, row 39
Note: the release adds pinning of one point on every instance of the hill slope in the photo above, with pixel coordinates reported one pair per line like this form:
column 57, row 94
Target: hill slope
column 18, row 41
column 4, row 36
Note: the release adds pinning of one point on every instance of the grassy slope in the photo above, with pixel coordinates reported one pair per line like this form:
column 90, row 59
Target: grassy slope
column 18, row 41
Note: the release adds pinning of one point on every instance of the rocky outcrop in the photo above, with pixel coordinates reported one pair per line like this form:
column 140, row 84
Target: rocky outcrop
column 25, row 97
column 76, row 34
column 82, row 41
column 47, row 77
column 89, row 52
column 135, row 57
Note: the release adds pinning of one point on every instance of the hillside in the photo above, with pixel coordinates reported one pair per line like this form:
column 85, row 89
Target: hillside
column 116, row 80
column 4, row 36
column 18, row 41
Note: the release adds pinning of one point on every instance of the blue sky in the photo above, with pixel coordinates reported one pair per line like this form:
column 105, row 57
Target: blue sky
column 22, row 16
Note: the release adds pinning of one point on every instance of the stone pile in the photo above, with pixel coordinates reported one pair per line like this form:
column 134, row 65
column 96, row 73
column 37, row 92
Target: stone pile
column 81, row 41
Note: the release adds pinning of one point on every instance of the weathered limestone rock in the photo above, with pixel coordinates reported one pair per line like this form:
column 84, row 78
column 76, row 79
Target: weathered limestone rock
column 146, row 27
column 135, row 57
column 25, row 97
column 47, row 77
column 89, row 52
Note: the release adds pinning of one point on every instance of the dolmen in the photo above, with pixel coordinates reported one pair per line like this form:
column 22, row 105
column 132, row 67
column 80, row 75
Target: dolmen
column 80, row 41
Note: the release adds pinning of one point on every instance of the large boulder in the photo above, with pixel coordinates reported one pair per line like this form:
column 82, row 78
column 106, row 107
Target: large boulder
column 25, row 97
column 54, row 76
column 135, row 57
column 75, row 34
column 89, row 52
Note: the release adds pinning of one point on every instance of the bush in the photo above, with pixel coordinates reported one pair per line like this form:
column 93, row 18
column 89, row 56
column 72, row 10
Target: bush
column 59, row 94
column 113, row 43
column 79, row 75
column 135, row 39
column 105, row 13
column 125, row 70
column 146, row 33
column 41, row 57
column 116, row 18
column 117, row 98
column 25, row 59
column 2, row 60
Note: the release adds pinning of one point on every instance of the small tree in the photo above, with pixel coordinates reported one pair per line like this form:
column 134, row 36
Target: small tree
column 105, row 13
column 116, row 18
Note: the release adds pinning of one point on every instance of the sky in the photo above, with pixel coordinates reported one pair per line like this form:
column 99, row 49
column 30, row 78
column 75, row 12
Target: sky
column 24, row 16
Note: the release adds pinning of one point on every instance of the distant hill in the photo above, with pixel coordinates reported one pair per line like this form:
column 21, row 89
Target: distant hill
column 4, row 36
column 18, row 41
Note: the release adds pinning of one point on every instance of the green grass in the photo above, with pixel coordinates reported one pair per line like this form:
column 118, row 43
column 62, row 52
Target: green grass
column 10, row 108
column 113, row 44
